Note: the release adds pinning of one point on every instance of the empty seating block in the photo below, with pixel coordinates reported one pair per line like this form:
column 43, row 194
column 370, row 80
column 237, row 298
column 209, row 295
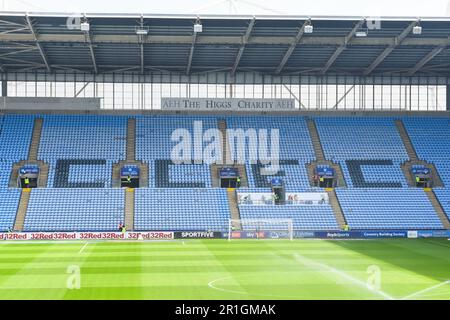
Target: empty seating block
column 430, row 137
column 15, row 138
column 181, row 209
column 8, row 208
column 75, row 210
column 73, row 143
column 193, row 173
column 367, row 209
column 294, row 146
column 154, row 143
column 372, row 140
column 303, row 217
column 444, row 198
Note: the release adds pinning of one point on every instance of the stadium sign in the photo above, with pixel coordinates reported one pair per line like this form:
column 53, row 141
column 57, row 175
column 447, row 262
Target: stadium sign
column 231, row 104
column 197, row 235
column 67, row 236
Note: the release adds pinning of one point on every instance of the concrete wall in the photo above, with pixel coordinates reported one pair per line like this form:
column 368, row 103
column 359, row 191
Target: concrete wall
column 49, row 104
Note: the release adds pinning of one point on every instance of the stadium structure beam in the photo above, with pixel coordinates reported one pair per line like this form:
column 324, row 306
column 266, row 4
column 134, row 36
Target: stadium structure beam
column 430, row 56
column 224, row 40
column 342, row 47
column 91, row 51
column 23, row 62
column 17, row 52
column 4, row 88
column 38, row 44
column 344, row 96
column 191, row 53
column 242, row 48
column 448, row 97
column 82, row 89
column 302, row 106
column 292, row 46
column 386, row 52
column 141, row 44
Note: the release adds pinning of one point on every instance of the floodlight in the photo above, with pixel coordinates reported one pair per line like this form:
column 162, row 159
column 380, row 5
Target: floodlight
column 84, row 26
column 417, row 30
column 309, row 29
column 361, row 34
column 198, row 27
column 141, row 32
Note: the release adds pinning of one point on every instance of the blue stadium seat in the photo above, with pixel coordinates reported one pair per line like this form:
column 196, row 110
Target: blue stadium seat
column 181, row 209
column 8, row 208
column 443, row 196
column 295, row 145
column 83, row 142
column 75, row 210
column 368, row 141
column 430, row 138
column 15, row 138
column 370, row 209
column 153, row 143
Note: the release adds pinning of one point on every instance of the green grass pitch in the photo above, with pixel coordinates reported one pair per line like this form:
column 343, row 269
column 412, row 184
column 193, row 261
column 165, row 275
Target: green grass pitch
column 217, row 269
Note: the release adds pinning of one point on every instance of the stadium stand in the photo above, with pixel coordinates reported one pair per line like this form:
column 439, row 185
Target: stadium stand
column 154, row 147
column 81, row 150
column 394, row 208
column 430, row 137
column 75, row 144
column 10, row 200
column 369, row 143
column 444, row 198
column 295, row 150
column 75, row 210
column 181, row 209
column 15, row 137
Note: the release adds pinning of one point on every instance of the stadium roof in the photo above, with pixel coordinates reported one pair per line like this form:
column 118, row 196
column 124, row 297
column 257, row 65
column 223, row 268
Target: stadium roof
column 267, row 44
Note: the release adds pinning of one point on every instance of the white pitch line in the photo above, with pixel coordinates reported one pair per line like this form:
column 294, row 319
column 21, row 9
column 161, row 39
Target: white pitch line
column 360, row 283
column 420, row 292
column 82, row 249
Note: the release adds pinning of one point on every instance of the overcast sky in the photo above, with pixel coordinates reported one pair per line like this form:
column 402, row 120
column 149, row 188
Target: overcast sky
column 292, row 7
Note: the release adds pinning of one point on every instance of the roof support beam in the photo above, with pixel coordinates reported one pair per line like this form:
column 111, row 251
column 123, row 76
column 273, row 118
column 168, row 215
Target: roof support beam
column 38, row 44
column 430, row 56
column 242, row 48
column 191, row 53
column 91, row 51
column 342, row 47
column 389, row 49
column 302, row 106
column 343, row 97
column 141, row 41
column 292, row 46
column 142, row 59
column 222, row 40
column 82, row 89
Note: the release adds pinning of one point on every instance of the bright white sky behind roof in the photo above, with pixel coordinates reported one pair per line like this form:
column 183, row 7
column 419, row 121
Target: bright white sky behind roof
column 436, row 8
